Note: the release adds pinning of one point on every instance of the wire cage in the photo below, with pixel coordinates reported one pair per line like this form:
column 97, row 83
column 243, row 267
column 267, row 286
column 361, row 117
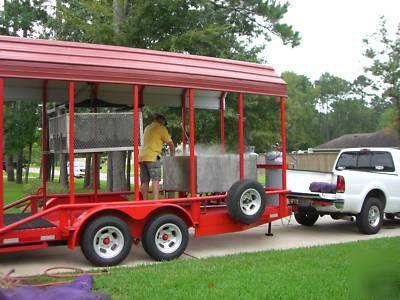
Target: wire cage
column 94, row 132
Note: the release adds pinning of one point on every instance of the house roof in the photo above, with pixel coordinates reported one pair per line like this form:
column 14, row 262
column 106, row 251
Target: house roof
column 57, row 60
column 383, row 138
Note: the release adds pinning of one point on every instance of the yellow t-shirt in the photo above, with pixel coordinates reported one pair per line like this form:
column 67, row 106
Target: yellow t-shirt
column 154, row 136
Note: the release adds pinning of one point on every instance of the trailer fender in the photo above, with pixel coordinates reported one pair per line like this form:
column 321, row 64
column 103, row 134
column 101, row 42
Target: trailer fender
column 132, row 215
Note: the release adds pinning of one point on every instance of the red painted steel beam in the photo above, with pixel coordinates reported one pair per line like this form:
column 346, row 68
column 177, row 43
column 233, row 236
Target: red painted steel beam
column 141, row 95
column 241, row 136
column 222, row 120
column 44, row 141
column 71, row 142
column 136, row 140
column 195, row 207
column 183, row 108
column 95, row 92
column 1, row 152
column 282, row 198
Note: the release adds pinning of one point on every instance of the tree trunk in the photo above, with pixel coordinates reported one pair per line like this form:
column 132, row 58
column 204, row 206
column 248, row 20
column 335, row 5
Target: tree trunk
column 28, row 164
column 119, row 179
column 120, row 9
column 63, row 170
column 128, row 170
column 49, row 163
column 98, row 172
column 20, row 159
column 116, row 180
column 10, row 168
column 88, row 171
column 53, row 166
column 109, row 187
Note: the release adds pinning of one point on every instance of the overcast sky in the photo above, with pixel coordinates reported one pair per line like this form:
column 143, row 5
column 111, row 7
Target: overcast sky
column 332, row 32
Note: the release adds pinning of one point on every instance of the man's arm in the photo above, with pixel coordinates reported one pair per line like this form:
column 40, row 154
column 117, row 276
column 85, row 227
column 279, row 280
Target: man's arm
column 171, row 148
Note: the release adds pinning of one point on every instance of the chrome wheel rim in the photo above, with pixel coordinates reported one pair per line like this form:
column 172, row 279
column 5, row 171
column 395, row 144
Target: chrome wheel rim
column 374, row 216
column 250, row 202
column 168, row 238
column 108, row 242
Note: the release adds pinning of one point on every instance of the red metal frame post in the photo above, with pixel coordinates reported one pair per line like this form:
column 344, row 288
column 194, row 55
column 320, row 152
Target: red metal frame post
column 1, row 152
column 95, row 156
column 44, row 142
column 136, row 140
column 183, row 108
column 71, row 142
column 241, row 136
column 222, row 120
column 282, row 197
column 195, row 208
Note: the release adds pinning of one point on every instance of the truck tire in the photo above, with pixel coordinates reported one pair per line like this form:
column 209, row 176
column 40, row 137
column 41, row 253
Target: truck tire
column 246, row 201
column 165, row 237
column 306, row 217
column 369, row 220
column 106, row 241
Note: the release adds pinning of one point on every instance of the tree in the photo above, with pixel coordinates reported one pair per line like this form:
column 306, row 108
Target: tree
column 331, row 89
column 301, row 112
column 351, row 116
column 20, row 124
column 23, row 17
column 384, row 68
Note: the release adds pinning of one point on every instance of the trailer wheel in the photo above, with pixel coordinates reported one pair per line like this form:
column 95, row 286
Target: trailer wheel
column 165, row 237
column 106, row 241
column 369, row 220
column 246, row 201
column 306, row 217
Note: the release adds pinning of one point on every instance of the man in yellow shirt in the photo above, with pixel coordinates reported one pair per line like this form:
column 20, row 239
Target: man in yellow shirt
column 155, row 135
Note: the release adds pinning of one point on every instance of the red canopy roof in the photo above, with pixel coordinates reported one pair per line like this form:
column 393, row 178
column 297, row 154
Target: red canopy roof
column 56, row 60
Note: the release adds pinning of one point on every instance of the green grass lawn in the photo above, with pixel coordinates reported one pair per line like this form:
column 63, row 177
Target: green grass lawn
column 14, row 191
column 359, row 270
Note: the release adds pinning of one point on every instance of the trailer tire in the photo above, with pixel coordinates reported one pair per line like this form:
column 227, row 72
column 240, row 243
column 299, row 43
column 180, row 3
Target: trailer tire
column 306, row 217
column 165, row 237
column 246, row 201
column 106, row 241
column 370, row 219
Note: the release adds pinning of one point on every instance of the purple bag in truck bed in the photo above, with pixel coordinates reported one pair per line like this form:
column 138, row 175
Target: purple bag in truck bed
column 322, row 187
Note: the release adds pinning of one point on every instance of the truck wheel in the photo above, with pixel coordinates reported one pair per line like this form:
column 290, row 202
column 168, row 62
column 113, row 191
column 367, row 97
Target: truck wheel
column 246, row 201
column 106, row 241
column 369, row 220
column 390, row 216
column 165, row 237
column 306, row 217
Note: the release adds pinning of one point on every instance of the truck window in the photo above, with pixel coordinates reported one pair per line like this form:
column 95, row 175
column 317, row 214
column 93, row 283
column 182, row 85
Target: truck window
column 382, row 161
column 347, row 160
column 364, row 161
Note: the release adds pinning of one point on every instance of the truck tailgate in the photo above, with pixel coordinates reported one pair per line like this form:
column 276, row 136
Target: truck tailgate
column 298, row 181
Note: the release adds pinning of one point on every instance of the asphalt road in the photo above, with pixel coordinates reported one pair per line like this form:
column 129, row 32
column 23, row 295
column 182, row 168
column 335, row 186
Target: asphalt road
column 286, row 235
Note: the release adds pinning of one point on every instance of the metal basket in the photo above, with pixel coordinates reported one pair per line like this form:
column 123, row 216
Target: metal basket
column 94, row 132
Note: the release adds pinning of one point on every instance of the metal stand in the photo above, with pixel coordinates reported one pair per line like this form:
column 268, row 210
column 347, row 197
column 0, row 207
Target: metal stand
column 269, row 233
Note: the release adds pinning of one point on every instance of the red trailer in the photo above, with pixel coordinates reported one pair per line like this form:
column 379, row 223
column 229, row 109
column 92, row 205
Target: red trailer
column 105, row 224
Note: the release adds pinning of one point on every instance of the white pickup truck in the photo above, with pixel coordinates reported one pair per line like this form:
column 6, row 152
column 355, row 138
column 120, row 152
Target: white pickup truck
column 364, row 184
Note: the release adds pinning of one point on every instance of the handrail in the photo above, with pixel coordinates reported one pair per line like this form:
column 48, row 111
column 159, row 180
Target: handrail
column 36, row 196
column 26, row 199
